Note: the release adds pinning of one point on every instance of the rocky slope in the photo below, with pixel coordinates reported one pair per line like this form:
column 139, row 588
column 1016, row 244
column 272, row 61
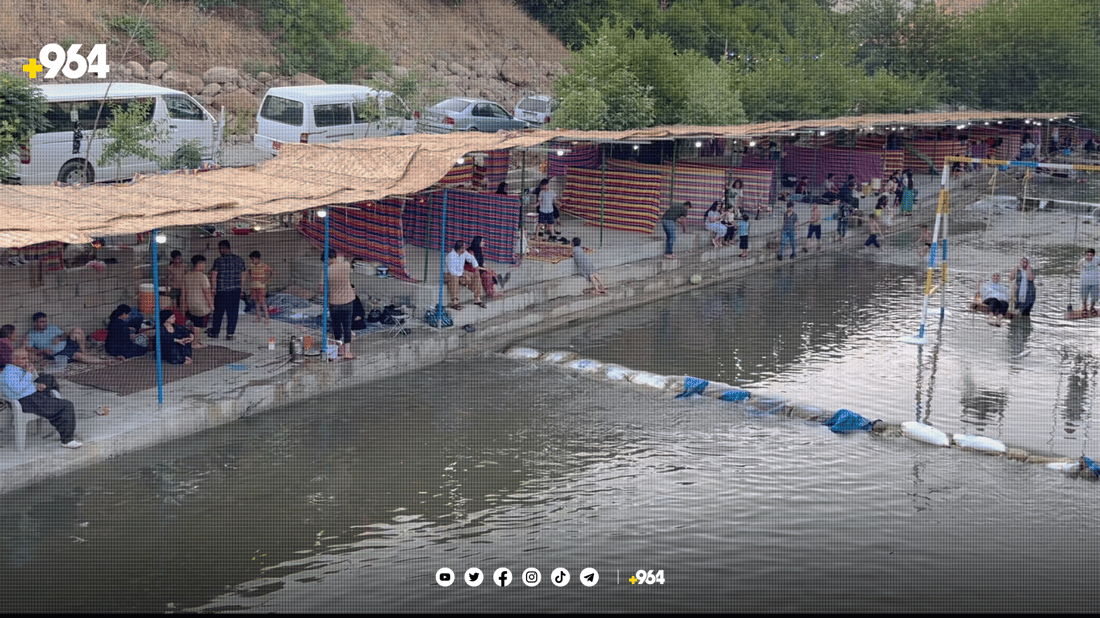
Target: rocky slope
column 486, row 48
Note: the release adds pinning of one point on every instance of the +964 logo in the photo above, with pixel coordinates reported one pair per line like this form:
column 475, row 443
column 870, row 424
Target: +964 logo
column 54, row 59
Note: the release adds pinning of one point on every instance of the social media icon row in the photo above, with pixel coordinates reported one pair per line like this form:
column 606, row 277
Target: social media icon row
column 502, row 577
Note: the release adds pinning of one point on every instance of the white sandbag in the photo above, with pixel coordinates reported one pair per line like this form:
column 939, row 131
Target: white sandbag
column 979, row 443
column 924, row 433
column 651, row 380
column 1065, row 467
column 528, row 353
column 559, row 356
column 586, row 365
column 615, row 372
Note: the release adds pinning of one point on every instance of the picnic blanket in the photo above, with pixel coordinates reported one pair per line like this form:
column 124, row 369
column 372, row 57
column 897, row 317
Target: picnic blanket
column 138, row 374
column 553, row 252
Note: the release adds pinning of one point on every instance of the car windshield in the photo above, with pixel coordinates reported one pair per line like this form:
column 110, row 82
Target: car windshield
column 453, row 105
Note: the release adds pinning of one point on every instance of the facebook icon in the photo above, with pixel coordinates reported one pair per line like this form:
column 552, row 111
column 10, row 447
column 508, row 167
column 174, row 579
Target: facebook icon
column 502, row 577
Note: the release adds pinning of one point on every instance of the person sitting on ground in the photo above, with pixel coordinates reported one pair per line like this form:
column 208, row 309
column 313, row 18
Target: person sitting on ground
column 830, row 192
column 502, row 188
column 7, row 344
column 1023, row 278
column 22, row 384
column 586, row 267
column 456, row 275
column 121, row 338
column 995, row 296
column 175, row 340
column 713, row 224
column 258, row 274
column 47, row 342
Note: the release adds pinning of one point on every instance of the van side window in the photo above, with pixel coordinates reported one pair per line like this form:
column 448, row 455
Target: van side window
column 282, row 110
column 332, row 115
column 183, row 108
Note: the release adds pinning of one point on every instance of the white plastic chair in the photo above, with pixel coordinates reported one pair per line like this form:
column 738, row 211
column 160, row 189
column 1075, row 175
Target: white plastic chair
column 21, row 419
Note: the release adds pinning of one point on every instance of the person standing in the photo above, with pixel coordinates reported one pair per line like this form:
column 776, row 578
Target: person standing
column 227, row 279
column 547, row 204
column 874, row 228
column 814, row 227
column 743, row 232
column 790, row 223
column 1024, row 280
column 842, row 213
column 734, row 191
column 198, row 297
column 259, row 274
column 177, row 270
column 1089, row 267
column 341, row 302
column 676, row 214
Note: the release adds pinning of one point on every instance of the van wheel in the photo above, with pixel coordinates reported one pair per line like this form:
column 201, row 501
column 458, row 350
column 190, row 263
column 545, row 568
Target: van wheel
column 472, row 128
column 73, row 173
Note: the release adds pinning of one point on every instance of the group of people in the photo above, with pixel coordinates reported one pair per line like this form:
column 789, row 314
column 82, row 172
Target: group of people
column 996, row 295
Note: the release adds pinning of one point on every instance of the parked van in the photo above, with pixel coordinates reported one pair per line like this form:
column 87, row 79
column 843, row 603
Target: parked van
column 68, row 150
column 327, row 114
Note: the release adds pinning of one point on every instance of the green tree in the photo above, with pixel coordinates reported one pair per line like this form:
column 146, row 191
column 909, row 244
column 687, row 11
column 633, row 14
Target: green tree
column 602, row 93
column 22, row 114
column 132, row 134
column 1027, row 55
column 314, row 39
column 710, row 93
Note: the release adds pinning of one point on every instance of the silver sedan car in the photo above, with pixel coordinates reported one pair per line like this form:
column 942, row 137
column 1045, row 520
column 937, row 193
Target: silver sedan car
column 462, row 114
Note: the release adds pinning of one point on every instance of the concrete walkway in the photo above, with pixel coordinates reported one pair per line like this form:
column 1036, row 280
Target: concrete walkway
column 538, row 296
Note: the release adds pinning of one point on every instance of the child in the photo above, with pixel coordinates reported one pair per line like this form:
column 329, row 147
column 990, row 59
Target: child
column 874, row 230
column 586, row 267
column 743, row 229
column 924, row 242
column 177, row 270
column 258, row 276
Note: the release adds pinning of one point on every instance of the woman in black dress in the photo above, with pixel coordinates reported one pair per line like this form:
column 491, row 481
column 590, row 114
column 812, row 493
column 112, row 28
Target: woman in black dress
column 175, row 340
column 120, row 337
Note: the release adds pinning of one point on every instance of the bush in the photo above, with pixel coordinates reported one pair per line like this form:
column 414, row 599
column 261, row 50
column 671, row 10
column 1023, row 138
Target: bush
column 140, row 30
column 22, row 114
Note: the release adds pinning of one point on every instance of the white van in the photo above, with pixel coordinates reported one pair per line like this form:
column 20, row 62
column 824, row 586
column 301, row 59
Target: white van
column 327, row 114
column 68, row 150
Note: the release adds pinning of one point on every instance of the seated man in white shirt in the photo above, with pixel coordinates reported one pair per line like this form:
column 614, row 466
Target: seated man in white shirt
column 20, row 382
column 456, row 275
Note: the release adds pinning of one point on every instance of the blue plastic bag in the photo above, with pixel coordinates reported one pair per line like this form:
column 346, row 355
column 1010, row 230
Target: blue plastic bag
column 693, row 386
column 846, row 420
column 735, row 394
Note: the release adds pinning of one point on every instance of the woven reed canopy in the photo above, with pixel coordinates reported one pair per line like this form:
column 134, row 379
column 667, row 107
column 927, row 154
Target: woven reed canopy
column 309, row 176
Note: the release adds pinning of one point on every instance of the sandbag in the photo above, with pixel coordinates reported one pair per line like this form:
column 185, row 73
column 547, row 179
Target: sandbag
column 526, row 353
column 924, row 433
column 979, row 443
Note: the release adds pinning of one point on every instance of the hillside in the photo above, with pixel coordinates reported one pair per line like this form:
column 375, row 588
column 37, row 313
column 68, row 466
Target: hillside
column 485, row 48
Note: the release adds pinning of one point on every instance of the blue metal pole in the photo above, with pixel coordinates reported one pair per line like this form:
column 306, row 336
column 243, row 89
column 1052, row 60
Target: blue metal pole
column 324, row 310
column 442, row 261
column 156, row 316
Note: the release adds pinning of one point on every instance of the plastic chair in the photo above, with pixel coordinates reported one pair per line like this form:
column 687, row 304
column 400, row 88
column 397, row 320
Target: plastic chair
column 21, row 419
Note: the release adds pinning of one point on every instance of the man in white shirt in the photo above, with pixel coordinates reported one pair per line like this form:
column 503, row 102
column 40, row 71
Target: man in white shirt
column 20, row 383
column 457, row 275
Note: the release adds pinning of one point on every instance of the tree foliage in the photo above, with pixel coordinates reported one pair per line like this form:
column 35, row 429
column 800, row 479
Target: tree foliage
column 22, row 114
column 602, row 93
column 314, row 39
column 132, row 134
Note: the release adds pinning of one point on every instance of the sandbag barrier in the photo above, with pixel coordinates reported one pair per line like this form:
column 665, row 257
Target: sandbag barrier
column 841, row 421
